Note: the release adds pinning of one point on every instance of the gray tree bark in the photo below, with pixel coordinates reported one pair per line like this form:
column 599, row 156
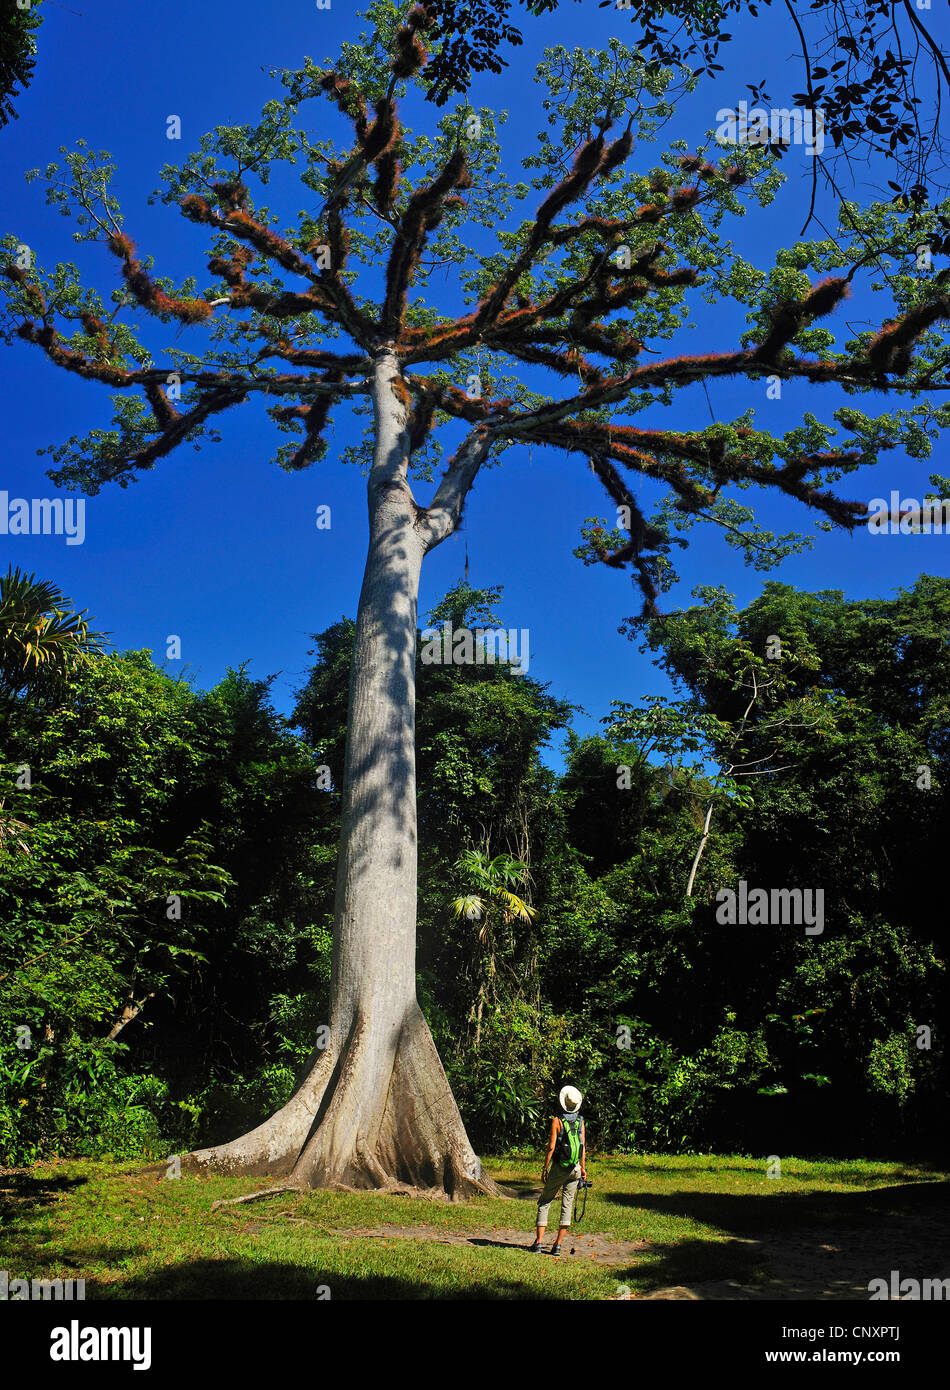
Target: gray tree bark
column 374, row 1108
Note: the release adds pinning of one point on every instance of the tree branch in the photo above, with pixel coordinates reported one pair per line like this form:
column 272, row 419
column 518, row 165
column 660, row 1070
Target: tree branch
column 443, row 514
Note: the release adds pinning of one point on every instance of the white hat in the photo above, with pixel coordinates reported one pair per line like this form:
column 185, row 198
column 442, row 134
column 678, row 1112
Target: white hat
column 570, row 1098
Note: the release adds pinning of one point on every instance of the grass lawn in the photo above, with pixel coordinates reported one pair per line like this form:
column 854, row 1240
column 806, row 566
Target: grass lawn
column 133, row 1235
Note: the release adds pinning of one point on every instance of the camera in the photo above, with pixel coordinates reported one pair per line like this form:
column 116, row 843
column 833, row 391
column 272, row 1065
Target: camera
column 585, row 1182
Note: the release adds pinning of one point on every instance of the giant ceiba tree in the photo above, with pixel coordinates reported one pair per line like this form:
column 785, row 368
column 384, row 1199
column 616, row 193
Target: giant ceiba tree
column 552, row 349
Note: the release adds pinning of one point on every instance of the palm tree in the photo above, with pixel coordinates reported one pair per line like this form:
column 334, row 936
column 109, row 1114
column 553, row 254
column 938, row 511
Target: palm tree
column 491, row 902
column 41, row 635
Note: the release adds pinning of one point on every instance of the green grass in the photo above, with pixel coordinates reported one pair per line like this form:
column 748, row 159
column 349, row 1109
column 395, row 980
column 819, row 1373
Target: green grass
column 130, row 1234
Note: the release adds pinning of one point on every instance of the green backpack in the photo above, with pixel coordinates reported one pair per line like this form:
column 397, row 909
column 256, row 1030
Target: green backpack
column 567, row 1150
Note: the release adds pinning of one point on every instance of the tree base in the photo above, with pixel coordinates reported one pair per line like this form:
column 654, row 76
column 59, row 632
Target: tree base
column 374, row 1114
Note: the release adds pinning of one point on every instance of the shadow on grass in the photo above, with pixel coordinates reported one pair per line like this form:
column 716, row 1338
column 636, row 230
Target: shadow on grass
column 521, row 1189
column 748, row 1263
column 846, row 1178
column 273, row 1280
column 23, row 1198
column 695, row 1261
column 520, row 1244
column 775, row 1210
column 759, row 1221
column 22, row 1192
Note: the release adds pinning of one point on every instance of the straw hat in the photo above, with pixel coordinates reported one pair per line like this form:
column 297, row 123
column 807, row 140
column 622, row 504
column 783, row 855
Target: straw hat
column 570, row 1099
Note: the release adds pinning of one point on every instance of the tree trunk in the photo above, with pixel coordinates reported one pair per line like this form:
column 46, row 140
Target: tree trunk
column 374, row 1109
column 478, row 1015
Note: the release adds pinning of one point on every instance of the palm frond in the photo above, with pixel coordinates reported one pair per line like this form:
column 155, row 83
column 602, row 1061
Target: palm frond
column 471, row 907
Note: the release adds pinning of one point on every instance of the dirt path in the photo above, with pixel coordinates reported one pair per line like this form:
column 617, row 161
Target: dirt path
column 586, row 1245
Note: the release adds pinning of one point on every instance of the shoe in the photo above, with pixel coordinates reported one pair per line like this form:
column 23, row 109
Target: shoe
column 535, row 1248
column 555, row 1250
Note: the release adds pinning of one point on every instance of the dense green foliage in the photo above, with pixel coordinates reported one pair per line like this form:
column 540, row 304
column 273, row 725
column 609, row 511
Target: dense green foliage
column 167, row 862
column 18, row 26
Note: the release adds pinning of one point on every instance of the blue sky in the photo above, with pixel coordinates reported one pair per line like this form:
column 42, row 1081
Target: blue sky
column 219, row 546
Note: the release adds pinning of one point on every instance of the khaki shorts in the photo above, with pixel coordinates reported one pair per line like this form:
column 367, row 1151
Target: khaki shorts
column 564, row 1179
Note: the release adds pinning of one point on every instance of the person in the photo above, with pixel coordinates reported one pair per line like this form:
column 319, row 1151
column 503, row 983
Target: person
column 568, row 1140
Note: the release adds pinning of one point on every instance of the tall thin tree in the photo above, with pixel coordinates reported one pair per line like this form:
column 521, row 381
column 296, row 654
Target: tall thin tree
column 598, row 270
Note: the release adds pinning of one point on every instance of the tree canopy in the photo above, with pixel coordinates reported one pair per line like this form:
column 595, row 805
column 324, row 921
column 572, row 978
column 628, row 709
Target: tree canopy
column 581, row 299
column 875, row 71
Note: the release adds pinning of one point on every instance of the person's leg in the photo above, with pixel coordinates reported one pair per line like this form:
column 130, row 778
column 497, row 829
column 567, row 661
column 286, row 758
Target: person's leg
column 568, row 1193
column 551, row 1188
